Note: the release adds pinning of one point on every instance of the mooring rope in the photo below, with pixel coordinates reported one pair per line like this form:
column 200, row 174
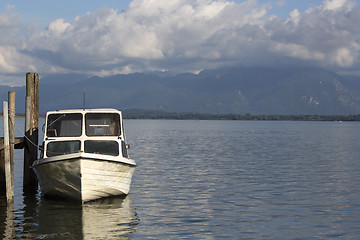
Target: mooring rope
column 36, row 145
column 27, row 138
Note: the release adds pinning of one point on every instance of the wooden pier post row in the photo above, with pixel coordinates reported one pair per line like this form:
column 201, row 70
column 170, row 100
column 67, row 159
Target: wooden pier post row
column 30, row 142
column 7, row 145
column 31, row 132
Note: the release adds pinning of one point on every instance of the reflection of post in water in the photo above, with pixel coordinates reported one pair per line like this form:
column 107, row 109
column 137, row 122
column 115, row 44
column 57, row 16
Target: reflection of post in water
column 9, row 232
column 7, row 216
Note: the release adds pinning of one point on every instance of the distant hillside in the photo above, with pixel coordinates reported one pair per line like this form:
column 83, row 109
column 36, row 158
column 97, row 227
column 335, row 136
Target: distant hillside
column 227, row 90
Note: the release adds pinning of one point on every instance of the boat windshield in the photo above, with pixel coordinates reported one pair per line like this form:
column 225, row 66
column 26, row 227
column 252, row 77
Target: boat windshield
column 62, row 147
column 102, row 124
column 102, row 147
column 64, row 125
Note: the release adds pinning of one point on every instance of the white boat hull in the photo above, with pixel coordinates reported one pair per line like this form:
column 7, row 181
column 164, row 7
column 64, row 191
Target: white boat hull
column 83, row 178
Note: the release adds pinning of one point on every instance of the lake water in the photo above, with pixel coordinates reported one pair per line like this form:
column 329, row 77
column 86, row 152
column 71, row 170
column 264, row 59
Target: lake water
column 214, row 180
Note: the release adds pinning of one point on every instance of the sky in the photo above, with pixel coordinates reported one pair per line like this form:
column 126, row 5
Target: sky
column 108, row 37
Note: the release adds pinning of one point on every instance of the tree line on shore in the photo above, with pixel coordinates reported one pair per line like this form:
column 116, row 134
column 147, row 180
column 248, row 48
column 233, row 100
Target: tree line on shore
column 209, row 116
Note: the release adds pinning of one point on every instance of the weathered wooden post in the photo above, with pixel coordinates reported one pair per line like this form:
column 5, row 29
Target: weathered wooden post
column 2, row 169
column 11, row 98
column 31, row 132
column 8, row 177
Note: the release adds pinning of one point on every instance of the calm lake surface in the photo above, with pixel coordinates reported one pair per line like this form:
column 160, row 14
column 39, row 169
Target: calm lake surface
column 214, row 180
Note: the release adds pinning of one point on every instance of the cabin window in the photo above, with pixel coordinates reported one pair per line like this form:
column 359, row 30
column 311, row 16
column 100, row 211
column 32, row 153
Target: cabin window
column 62, row 147
column 102, row 147
column 64, row 125
column 102, row 124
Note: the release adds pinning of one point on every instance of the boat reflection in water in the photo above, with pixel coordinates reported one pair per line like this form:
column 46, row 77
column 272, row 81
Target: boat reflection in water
column 108, row 218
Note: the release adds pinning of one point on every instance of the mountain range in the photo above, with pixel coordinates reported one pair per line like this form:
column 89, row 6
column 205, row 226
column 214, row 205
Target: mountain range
column 236, row 90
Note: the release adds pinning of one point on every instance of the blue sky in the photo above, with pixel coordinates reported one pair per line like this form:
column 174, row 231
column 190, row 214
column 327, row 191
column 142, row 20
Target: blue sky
column 44, row 11
column 106, row 37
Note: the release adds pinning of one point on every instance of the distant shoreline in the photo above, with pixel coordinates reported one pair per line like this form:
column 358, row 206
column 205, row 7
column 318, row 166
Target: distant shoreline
column 233, row 117
column 270, row 117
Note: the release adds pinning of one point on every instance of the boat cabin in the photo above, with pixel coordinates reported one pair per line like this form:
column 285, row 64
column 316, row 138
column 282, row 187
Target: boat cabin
column 96, row 131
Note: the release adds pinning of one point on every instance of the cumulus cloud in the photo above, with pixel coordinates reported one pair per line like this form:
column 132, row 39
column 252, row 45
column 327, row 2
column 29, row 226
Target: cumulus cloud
column 179, row 35
column 328, row 34
column 13, row 62
column 188, row 35
column 337, row 4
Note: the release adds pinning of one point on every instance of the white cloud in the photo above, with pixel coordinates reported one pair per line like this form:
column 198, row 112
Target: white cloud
column 185, row 35
column 13, row 62
column 343, row 57
column 298, row 51
column 334, row 5
column 294, row 17
column 58, row 26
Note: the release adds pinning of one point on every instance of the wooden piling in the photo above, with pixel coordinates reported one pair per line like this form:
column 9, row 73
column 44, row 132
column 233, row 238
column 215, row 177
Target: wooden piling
column 2, row 169
column 8, row 177
column 18, row 144
column 11, row 99
column 31, row 132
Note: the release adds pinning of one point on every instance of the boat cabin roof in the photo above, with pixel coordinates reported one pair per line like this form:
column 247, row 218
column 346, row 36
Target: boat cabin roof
column 90, row 131
column 83, row 122
column 82, row 111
